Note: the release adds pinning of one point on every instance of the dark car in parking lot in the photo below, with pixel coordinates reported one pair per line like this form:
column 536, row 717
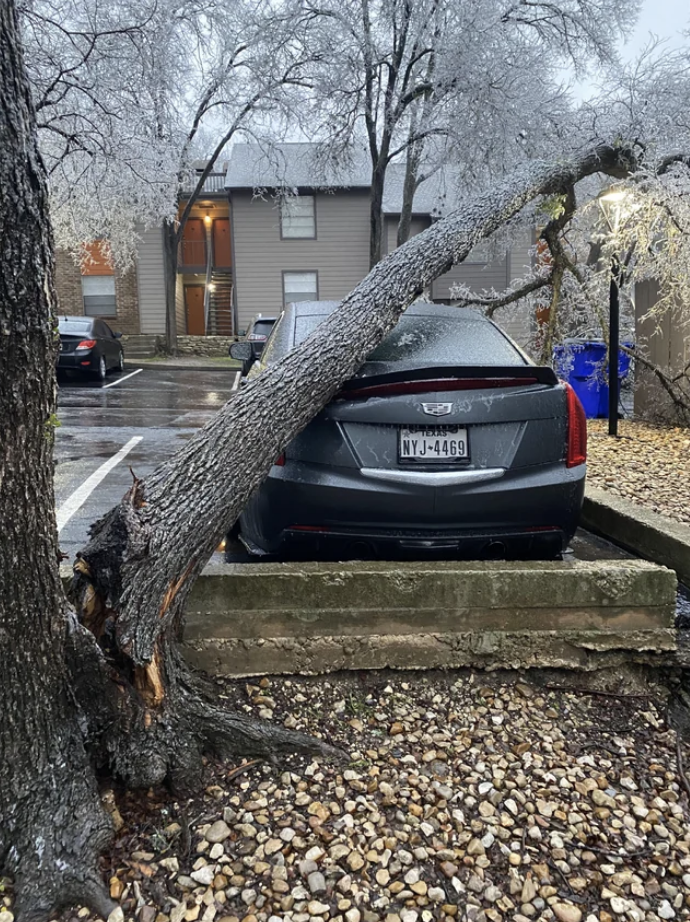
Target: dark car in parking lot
column 257, row 335
column 448, row 442
column 87, row 344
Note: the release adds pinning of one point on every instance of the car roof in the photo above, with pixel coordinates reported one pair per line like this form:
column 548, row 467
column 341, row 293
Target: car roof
column 417, row 308
column 264, row 318
column 77, row 317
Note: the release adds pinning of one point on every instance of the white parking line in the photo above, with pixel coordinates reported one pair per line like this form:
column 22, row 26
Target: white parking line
column 79, row 497
column 120, row 380
column 236, row 381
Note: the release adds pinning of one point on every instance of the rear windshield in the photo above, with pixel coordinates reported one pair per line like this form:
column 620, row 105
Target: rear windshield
column 419, row 341
column 74, row 326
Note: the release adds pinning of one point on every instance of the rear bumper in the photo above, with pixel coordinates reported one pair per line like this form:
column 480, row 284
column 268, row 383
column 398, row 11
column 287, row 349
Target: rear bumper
column 76, row 362
column 306, row 509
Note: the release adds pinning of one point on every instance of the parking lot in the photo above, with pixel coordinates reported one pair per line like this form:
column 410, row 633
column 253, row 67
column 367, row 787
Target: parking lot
column 134, row 419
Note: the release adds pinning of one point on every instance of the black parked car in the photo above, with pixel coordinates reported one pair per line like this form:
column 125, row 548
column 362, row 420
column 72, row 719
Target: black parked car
column 448, row 442
column 257, row 335
column 88, row 344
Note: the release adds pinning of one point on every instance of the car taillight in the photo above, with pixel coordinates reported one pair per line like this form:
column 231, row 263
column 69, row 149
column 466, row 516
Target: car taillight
column 424, row 387
column 280, row 460
column 85, row 344
column 256, row 338
column 576, row 452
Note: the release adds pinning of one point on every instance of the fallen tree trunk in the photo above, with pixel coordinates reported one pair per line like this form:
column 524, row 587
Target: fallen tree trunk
column 132, row 579
column 111, row 688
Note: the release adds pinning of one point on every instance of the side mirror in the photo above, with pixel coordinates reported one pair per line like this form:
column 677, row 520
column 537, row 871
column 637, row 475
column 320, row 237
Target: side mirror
column 241, row 351
column 117, row 335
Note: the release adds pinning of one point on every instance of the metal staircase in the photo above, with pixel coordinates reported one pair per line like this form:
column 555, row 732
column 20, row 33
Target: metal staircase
column 220, row 320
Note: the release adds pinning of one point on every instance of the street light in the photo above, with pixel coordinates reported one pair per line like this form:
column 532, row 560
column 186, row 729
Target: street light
column 611, row 204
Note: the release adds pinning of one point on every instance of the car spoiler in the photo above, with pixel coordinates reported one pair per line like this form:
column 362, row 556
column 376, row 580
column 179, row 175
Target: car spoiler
column 541, row 374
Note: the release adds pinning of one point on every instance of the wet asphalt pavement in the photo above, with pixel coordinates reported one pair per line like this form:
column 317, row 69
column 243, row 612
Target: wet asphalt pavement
column 137, row 419
column 151, row 412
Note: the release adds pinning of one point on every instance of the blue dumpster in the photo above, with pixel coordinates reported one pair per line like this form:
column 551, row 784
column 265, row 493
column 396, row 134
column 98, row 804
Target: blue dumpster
column 582, row 363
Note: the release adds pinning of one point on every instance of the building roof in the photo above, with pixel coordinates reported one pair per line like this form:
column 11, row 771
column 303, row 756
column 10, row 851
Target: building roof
column 294, row 166
column 301, row 165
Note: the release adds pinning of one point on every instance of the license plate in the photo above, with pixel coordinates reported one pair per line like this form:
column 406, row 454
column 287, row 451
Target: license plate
column 433, row 444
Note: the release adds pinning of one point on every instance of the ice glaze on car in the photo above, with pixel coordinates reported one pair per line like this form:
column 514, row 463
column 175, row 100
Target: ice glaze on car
column 449, row 442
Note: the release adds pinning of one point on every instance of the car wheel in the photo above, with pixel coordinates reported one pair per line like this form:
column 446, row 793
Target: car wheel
column 121, row 363
column 102, row 369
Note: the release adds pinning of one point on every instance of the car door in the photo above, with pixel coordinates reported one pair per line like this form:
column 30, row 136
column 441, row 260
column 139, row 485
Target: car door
column 112, row 344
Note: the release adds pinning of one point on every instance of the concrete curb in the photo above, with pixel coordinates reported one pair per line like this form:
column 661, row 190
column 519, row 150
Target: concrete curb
column 639, row 530
column 314, row 618
column 180, row 366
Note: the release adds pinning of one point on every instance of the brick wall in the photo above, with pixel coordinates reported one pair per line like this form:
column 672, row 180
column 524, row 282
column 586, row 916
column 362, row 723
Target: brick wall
column 70, row 301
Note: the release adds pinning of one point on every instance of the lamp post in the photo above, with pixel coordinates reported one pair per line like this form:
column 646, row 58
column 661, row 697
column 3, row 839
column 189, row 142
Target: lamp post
column 611, row 206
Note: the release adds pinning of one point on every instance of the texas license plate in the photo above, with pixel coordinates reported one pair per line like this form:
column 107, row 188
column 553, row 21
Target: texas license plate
column 433, row 444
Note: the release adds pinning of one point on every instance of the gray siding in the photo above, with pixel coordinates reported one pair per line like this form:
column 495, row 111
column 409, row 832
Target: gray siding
column 151, row 280
column 518, row 322
column 664, row 339
column 340, row 252
column 417, row 225
column 180, row 313
column 477, row 277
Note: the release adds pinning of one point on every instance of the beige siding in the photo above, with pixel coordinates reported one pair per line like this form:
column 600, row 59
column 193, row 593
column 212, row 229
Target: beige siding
column 151, row 280
column 340, row 252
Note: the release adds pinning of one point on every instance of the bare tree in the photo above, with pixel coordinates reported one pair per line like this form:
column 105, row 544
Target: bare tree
column 473, row 84
column 129, row 96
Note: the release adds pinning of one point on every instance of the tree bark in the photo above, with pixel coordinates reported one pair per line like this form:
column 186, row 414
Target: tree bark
column 52, row 827
column 378, row 178
column 170, row 246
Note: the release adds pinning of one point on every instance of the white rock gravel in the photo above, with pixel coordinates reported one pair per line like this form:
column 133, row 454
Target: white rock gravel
column 649, row 465
column 569, row 810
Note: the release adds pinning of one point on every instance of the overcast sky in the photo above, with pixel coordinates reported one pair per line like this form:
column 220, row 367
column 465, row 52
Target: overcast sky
column 664, row 18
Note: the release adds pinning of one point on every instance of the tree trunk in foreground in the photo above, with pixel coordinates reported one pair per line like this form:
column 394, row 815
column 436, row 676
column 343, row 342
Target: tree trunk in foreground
column 47, row 785
column 114, row 680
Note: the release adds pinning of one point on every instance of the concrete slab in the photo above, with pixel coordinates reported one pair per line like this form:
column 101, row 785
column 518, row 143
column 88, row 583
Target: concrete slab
column 322, row 617
column 642, row 531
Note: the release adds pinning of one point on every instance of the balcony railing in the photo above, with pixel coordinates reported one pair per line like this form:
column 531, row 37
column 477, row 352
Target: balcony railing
column 214, row 182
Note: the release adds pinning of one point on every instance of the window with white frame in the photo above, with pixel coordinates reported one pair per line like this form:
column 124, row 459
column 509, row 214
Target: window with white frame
column 300, row 286
column 99, row 295
column 298, row 217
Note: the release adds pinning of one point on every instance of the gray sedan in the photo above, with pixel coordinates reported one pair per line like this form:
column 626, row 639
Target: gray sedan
column 449, row 442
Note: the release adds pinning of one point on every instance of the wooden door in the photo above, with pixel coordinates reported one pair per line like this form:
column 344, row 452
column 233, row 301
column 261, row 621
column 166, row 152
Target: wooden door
column 222, row 253
column 194, row 304
column 193, row 243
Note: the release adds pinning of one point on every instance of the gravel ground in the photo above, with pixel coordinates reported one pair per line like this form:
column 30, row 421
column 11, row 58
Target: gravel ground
column 649, row 465
column 466, row 798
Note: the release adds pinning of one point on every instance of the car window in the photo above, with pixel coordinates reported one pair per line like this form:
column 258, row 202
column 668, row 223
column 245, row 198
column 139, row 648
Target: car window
column 419, row 341
column 263, row 327
column 274, row 336
column 106, row 329
column 74, row 326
